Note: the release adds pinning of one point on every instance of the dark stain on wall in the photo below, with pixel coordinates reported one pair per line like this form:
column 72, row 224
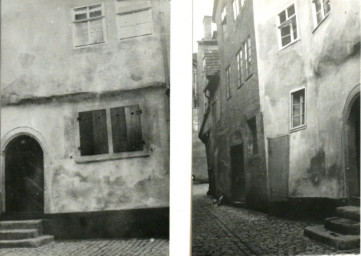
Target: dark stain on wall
column 317, row 169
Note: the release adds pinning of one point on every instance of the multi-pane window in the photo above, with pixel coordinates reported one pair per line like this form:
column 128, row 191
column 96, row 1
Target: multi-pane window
column 235, row 5
column 252, row 125
column 298, row 108
column 224, row 22
column 287, row 26
column 134, row 19
column 124, row 124
column 320, row 10
column 228, row 82
column 88, row 25
column 248, row 57
column 240, row 67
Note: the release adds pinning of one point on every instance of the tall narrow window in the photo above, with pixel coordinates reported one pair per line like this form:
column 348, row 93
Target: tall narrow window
column 88, row 25
column 240, row 68
column 298, row 108
column 224, row 23
column 252, row 125
column 320, row 10
column 248, row 57
column 235, row 5
column 228, row 82
column 287, row 26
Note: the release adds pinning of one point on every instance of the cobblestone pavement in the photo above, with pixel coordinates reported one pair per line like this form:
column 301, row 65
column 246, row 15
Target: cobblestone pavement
column 226, row 230
column 126, row 247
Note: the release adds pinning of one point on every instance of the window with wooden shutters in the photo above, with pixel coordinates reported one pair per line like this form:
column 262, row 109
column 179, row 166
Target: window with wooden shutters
column 126, row 129
column 134, row 18
column 88, row 25
column 93, row 132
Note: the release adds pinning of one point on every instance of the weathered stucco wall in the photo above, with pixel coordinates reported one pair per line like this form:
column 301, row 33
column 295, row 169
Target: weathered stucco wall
column 128, row 183
column 326, row 62
column 38, row 58
column 243, row 104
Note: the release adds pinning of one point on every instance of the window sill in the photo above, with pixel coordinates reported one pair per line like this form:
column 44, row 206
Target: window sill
column 240, row 86
column 319, row 24
column 298, row 128
column 88, row 45
column 111, row 156
column 286, row 46
column 248, row 77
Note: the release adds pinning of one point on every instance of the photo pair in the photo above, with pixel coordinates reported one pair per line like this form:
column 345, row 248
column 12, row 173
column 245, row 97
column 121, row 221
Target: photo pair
column 180, row 127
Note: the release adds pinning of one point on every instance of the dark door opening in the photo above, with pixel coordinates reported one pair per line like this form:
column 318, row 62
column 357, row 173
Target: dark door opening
column 353, row 145
column 238, row 182
column 24, row 176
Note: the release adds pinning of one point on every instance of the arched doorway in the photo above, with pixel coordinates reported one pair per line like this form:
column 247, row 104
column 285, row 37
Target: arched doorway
column 353, row 148
column 24, row 176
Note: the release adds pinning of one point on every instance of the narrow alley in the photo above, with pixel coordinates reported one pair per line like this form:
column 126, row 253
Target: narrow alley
column 226, row 230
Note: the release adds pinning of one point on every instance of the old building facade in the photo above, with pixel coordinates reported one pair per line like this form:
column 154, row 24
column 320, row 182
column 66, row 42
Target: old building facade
column 289, row 103
column 85, row 111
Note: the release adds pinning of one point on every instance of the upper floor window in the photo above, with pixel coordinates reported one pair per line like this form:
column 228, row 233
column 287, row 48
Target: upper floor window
column 228, row 82
column 298, row 110
column 287, row 26
column 224, row 22
column 235, row 5
column 321, row 8
column 88, row 25
column 240, row 77
column 134, row 19
column 248, row 57
column 123, row 123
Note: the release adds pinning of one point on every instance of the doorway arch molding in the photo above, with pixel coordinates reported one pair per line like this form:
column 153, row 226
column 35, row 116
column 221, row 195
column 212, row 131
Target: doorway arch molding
column 350, row 100
column 36, row 135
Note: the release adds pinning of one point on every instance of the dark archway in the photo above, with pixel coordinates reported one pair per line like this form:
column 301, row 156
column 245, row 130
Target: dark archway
column 353, row 149
column 24, row 176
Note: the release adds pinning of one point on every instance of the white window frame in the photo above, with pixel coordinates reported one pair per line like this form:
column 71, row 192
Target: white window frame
column 228, row 81
column 288, row 22
column 322, row 11
column 235, row 5
column 247, row 49
column 242, row 3
column 240, row 69
column 88, row 19
column 304, row 124
column 111, row 155
column 224, row 22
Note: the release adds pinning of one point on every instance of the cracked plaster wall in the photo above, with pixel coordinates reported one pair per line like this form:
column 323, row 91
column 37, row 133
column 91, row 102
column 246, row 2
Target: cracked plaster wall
column 326, row 62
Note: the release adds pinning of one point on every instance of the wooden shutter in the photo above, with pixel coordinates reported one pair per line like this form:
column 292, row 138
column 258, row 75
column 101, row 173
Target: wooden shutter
column 93, row 132
column 135, row 138
column 119, row 129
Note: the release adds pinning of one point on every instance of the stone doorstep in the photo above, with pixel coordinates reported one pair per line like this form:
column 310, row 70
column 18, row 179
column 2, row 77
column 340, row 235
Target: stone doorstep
column 331, row 238
column 348, row 212
column 21, row 224
column 12, row 234
column 30, row 242
column 343, row 226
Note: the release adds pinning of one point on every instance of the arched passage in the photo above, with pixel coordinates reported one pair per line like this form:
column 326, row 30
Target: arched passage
column 24, row 176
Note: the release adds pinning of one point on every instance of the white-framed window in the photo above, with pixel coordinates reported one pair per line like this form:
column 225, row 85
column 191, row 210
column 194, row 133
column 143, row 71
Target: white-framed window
column 110, row 132
column 248, row 57
column 240, row 77
column 134, row 18
column 320, row 9
column 235, row 5
column 228, row 82
column 88, row 25
column 224, row 23
column 287, row 26
column 298, row 108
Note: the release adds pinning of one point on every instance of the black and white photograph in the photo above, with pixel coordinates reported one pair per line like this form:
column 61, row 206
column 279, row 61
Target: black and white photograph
column 276, row 127
column 85, row 127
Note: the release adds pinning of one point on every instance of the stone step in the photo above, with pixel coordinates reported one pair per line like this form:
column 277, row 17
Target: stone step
column 12, row 234
column 21, row 224
column 355, row 201
column 343, row 226
column 331, row 238
column 30, row 242
column 348, row 212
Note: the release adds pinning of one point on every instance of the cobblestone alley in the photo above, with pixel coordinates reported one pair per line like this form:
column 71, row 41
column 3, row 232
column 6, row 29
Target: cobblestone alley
column 129, row 247
column 225, row 230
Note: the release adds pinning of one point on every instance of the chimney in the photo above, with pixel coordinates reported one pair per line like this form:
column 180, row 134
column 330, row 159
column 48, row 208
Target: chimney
column 207, row 27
